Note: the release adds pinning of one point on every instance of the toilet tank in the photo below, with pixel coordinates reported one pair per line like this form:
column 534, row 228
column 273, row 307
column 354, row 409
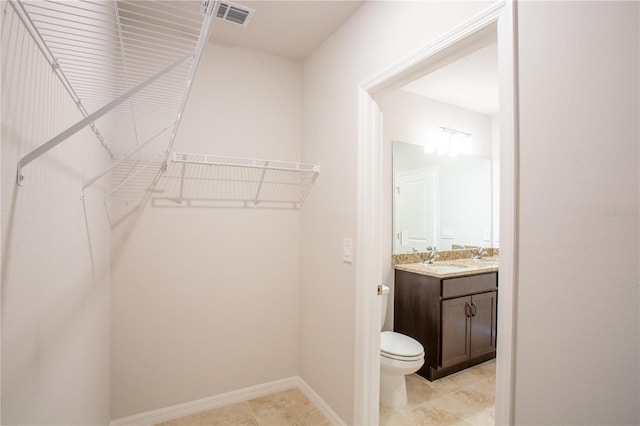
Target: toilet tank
column 384, row 300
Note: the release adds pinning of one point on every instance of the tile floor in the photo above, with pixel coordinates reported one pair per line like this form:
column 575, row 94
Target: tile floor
column 464, row 398
column 290, row 407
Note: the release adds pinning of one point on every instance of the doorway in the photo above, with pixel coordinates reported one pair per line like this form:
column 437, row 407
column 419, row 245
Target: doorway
column 496, row 22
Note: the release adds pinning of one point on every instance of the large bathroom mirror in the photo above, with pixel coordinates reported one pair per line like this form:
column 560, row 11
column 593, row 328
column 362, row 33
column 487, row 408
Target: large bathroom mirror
column 442, row 132
column 439, row 200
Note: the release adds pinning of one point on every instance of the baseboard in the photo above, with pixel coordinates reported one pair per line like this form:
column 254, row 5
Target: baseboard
column 168, row 413
column 320, row 404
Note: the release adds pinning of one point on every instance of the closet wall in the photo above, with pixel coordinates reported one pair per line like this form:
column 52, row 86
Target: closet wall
column 205, row 300
column 55, row 250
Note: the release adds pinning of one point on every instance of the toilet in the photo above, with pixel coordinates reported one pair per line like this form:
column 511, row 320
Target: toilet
column 399, row 355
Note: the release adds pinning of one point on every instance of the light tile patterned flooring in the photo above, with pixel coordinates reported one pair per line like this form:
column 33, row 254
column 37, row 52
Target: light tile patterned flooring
column 290, row 407
column 464, row 398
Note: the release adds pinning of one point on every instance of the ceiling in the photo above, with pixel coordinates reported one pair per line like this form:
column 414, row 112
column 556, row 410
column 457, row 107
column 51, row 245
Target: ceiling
column 470, row 82
column 295, row 28
column 292, row 29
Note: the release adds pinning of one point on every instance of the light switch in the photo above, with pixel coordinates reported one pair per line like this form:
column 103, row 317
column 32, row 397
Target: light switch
column 347, row 250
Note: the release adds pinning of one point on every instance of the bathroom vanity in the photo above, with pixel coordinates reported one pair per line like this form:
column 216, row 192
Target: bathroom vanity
column 450, row 308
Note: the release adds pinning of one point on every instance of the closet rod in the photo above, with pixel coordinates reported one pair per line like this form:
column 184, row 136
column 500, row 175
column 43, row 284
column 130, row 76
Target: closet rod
column 92, row 117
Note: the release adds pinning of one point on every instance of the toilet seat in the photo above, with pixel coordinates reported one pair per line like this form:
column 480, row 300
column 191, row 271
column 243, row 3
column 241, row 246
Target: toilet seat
column 400, row 347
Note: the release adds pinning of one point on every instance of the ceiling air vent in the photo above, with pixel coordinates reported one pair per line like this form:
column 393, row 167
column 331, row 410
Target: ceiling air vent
column 234, row 13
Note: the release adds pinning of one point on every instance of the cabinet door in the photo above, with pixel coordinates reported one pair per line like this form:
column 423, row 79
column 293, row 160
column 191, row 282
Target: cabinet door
column 456, row 323
column 483, row 323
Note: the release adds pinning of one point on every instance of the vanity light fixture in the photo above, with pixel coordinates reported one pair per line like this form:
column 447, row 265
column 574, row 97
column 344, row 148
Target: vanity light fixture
column 453, row 142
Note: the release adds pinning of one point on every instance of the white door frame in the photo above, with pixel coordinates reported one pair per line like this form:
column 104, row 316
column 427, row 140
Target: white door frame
column 501, row 17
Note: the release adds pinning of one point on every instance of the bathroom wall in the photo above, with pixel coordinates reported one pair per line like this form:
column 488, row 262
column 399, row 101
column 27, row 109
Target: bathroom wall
column 414, row 119
column 577, row 354
column 205, row 300
column 55, row 249
column 377, row 35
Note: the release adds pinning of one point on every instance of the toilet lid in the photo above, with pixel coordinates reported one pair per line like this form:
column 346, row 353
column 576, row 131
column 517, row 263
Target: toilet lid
column 396, row 345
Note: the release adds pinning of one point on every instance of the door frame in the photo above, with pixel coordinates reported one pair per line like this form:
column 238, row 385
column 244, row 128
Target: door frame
column 498, row 19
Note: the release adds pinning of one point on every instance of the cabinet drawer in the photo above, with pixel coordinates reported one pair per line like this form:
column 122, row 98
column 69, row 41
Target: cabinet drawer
column 468, row 285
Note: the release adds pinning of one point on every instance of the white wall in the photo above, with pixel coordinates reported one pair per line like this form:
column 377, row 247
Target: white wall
column 205, row 300
column 55, row 251
column 577, row 359
column 379, row 34
column 415, row 119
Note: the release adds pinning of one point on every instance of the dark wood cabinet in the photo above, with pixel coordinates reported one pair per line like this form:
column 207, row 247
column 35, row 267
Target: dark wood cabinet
column 454, row 319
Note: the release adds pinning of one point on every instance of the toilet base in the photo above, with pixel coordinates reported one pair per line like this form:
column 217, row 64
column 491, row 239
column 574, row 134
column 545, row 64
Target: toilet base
column 393, row 385
column 393, row 389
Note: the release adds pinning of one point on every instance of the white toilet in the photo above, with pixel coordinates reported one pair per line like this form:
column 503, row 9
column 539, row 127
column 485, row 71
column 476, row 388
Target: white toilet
column 399, row 355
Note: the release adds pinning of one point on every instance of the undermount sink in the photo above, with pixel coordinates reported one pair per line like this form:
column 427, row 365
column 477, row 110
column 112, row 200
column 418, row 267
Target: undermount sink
column 447, row 266
column 484, row 260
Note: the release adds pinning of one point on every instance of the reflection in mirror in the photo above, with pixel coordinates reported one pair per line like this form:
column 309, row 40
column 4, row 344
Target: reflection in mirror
column 442, row 131
column 439, row 200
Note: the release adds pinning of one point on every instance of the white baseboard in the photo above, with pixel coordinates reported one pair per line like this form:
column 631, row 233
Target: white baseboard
column 204, row 404
column 320, row 404
column 188, row 408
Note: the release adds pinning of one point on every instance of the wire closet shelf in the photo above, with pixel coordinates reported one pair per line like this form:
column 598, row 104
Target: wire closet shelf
column 233, row 181
column 127, row 64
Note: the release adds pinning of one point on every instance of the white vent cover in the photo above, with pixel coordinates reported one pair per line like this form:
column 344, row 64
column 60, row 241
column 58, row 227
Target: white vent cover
column 235, row 13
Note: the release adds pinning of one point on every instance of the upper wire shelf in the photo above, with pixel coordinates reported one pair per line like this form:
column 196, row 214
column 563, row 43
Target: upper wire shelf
column 127, row 64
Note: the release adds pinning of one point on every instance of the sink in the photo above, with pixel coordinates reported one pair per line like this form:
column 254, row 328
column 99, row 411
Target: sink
column 492, row 261
column 447, row 266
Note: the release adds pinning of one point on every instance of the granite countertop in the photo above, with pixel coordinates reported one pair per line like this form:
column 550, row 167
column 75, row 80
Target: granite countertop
column 452, row 268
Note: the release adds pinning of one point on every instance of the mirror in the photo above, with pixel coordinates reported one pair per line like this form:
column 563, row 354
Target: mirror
column 440, row 200
column 442, row 131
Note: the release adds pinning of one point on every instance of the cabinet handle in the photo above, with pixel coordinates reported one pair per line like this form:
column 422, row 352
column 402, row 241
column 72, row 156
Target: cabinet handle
column 467, row 310
column 474, row 309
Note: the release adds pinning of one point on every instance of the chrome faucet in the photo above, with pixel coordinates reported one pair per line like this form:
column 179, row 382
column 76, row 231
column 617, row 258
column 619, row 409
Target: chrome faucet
column 432, row 254
column 479, row 253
